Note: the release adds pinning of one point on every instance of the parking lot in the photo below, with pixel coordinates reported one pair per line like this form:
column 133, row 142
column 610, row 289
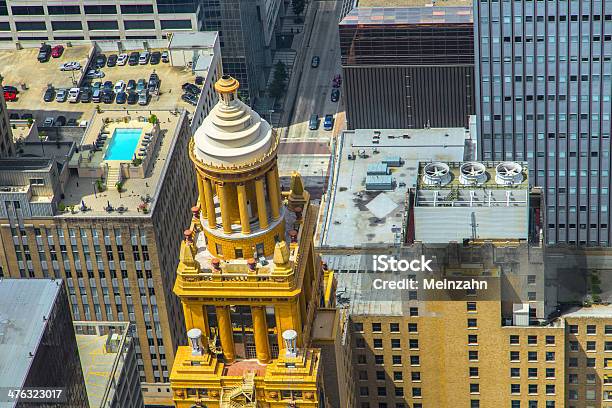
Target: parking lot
column 21, row 66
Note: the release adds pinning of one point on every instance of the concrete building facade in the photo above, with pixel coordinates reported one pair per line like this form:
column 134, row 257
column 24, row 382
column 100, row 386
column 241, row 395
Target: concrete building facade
column 7, row 147
column 38, row 345
column 408, row 66
column 63, row 216
column 544, row 96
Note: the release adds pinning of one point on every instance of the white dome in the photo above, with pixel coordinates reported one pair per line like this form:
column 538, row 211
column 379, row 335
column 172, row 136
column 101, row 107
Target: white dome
column 232, row 134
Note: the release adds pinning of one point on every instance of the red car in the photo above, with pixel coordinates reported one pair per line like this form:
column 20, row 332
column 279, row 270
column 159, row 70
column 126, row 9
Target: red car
column 57, row 51
column 10, row 96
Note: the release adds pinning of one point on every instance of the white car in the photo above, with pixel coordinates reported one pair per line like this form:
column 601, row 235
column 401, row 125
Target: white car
column 144, row 58
column 70, row 66
column 143, row 97
column 119, row 86
column 123, row 59
column 94, row 73
column 49, row 121
column 73, row 95
column 165, row 57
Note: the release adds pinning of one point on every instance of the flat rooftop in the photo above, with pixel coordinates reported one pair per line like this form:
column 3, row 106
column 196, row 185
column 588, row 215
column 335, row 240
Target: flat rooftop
column 24, row 304
column 98, row 363
column 356, row 217
column 17, row 66
column 595, row 311
column 81, row 190
column 379, row 12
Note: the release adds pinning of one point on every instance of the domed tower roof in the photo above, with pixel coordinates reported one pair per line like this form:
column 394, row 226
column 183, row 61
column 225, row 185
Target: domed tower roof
column 232, row 134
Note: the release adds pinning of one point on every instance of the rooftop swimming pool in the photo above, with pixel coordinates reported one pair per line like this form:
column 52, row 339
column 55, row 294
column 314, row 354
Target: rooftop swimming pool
column 123, row 144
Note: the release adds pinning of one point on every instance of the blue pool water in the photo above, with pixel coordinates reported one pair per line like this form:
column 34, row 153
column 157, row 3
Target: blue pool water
column 123, row 144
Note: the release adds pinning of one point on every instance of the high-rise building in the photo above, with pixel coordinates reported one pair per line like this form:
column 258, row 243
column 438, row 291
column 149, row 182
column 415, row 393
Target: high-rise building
column 544, row 95
column 248, row 34
column 38, row 346
column 91, row 20
column 7, row 148
column 100, row 218
column 108, row 360
column 251, row 286
column 408, row 64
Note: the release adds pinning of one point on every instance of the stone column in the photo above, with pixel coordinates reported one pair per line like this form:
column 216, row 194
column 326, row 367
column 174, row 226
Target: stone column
column 201, row 195
column 209, row 204
column 226, row 334
column 242, row 207
column 226, row 218
column 260, row 333
column 273, row 192
column 261, row 203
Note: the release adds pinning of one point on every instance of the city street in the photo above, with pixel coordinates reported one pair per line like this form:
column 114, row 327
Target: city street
column 302, row 149
column 315, row 84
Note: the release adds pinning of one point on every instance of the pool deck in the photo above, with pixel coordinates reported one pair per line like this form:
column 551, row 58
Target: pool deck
column 81, row 189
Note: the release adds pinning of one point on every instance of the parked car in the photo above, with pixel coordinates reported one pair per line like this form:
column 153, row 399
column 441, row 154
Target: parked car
column 10, row 88
column 96, row 97
column 191, row 88
column 121, row 97
column 132, row 98
column 57, row 51
column 86, row 95
column 94, row 73
column 71, row 122
column 141, row 85
column 73, row 95
column 60, row 121
column 108, row 96
column 49, row 95
column 144, row 58
column 71, row 66
column 44, row 53
column 112, row 60
column 100, row 61
column 337, row 81
column 155, row 57
column 313, row 123
column 49, row 121
column 10, row 96
column 143, row 97
column 134, row 56
column 315, row 61
column 335, row 95
column 199, row 80
column 328, row 122
column 190, row 98
column 122, row 59
column 131, row 85
column 108, row 86
column 96, row 85
column 119, row 86
column 153, row 82
column 165, row 57
column 61, row 96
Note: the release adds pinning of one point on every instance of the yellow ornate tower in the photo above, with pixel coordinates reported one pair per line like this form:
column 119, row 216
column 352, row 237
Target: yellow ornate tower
column 248, row 277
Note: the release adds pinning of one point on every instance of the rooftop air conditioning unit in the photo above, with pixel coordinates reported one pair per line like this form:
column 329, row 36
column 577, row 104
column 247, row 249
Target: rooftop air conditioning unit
column 436, row 173
column 473, row 173
column 509, row 173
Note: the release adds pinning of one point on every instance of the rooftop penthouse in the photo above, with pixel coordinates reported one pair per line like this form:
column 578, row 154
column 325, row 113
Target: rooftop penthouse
column 116, row 169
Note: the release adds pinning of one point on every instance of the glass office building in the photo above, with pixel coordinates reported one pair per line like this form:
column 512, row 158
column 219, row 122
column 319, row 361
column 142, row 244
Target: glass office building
column 543, row 95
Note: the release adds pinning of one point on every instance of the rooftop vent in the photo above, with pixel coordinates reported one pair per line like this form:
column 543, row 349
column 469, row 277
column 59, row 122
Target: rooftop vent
column 195, row 338
column 290, row 339
column 436, row 173
column 509, row 173
column 473, row 173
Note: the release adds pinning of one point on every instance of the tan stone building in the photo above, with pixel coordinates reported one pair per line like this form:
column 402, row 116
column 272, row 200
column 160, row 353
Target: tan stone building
column 7, row 147
column 100, row 214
